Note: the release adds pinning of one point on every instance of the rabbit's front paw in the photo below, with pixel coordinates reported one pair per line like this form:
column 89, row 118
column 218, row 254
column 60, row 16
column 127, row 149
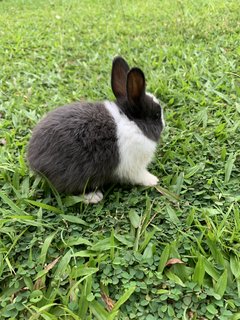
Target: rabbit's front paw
column 149, row 179
column 93, row 197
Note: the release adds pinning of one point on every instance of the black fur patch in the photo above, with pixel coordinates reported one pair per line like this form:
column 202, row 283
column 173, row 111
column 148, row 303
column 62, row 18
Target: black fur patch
column 147, row 115
column 75, row 146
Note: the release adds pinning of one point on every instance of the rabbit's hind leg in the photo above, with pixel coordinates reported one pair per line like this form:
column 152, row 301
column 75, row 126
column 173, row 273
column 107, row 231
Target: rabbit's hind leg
column 93, row 197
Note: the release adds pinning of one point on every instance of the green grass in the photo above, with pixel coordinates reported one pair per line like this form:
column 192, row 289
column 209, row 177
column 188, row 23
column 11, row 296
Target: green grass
column 61, row 259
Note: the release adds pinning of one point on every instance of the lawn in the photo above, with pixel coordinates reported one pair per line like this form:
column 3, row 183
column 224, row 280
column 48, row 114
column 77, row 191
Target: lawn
column 168, row 252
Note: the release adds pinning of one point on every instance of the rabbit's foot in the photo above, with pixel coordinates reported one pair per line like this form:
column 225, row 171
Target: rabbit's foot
column 93, row 197
column 148, row 179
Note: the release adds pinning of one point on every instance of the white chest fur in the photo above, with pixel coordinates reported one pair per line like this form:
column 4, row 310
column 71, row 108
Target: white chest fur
column 135, row 149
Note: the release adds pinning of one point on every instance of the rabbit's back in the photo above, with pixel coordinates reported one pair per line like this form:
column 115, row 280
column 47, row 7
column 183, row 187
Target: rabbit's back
column 75, row 145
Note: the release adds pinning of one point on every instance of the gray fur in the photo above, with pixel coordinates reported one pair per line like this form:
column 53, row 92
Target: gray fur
column 75, row 146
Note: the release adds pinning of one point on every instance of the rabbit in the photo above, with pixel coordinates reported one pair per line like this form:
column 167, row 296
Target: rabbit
column 84, row 145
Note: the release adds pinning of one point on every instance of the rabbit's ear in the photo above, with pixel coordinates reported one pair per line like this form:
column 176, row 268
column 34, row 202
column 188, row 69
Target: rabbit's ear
column 120, row 69
column 135, row 86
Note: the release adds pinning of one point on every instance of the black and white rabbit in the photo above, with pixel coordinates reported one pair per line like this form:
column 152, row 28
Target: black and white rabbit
column 85, row 145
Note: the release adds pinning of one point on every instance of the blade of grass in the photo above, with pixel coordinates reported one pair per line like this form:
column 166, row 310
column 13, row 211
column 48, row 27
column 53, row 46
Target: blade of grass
column 112, row 242
column 12, row 205
column 199, row 271
column 221, row 284
column 168, row 194
column 70, row 313
column 179, row 183
column 83, row 301
column 83, row 271
column 209, row 267
column 15, row 242
column 172, row 215
column 173, row 277
column 74, row 219
column 134, row 218
column 44, row 206
column 164, row 258
column 42, row 311
column 147, row 238
column 98, row 311
column 229, row 166
column 45, row 247
column 127, row 294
